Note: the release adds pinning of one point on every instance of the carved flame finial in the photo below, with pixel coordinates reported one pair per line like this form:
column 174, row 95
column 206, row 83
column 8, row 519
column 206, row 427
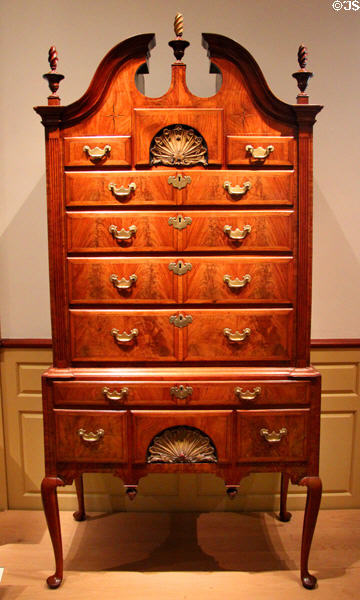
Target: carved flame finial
column 53, row 78
column 179, row 25
column 302, row 56
column 178, row 45
column 302, row 76
column 53, row 58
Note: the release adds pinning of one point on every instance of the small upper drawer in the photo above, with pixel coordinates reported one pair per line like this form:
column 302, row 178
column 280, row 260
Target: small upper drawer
column 91, row 436
column 97, row 151
column 257, row 151
column 268, row 436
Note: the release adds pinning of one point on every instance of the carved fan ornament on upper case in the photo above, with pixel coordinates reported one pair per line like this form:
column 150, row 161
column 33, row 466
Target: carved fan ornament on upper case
column 178, row 145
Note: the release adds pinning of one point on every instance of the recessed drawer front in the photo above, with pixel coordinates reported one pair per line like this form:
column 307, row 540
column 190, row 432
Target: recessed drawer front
column 239, row 188
column 121, row 232
column 268, row 436
column 122, row 280
column 91, row 436
column 193, row 231
column 194, row 335
column 146, row 188
column 216, row 425
column 119, row 189
column 96, row 152
column 258, row 151
column 121, row 335
column 247, row 394
column 239, row 335
column 187, row 280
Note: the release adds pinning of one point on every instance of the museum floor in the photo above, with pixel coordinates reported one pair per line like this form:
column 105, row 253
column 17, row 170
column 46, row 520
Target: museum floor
column 180, row 556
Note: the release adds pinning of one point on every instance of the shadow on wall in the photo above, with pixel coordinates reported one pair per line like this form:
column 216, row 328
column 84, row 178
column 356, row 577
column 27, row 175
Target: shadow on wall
column 25, row 301
column 336, row 280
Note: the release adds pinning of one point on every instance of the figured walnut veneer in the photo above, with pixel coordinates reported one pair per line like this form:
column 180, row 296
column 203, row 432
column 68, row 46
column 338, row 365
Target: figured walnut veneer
column 180, row 295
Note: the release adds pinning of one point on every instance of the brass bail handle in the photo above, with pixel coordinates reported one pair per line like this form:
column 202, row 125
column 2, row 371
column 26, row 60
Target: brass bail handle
column 273, row 437
column 123, row 284
column 247, row 394
column 237, row 284
column 121, row 235
column 90, row 436
column 96, row 154
column 259, row 153
column 124, row 337
column 236, row 336
column 114, row 395
column 237, row 190
column 237, row 234
column 121, row 192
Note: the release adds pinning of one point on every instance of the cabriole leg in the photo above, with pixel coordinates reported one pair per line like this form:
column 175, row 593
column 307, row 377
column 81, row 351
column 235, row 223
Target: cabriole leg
column 51, row 509
column 284, row 515
column 80, row 515
column 313, row 499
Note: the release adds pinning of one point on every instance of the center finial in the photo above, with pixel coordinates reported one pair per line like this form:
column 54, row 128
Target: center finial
column 179, row 25
column 178, row 45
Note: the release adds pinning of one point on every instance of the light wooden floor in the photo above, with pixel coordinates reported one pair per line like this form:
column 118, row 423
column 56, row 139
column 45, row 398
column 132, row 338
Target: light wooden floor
column 180, row 556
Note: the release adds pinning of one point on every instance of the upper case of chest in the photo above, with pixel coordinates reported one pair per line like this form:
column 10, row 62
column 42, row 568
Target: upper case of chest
column 170, row 260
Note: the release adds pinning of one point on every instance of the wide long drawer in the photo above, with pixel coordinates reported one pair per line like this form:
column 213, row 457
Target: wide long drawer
column 174, row 280
column 184, row 187
column 195, row 335
column 192, row 231
column 117, row 394
column 91, row 436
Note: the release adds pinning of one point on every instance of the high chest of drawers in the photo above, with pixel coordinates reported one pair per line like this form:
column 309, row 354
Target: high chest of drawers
column 180, row 271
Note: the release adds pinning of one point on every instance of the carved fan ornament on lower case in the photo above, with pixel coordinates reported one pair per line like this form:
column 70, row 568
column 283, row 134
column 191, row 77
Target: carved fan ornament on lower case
column 178, row 145
column 181, row 445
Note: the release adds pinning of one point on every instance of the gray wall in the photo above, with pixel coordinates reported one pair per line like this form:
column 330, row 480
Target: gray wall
column 83, row 32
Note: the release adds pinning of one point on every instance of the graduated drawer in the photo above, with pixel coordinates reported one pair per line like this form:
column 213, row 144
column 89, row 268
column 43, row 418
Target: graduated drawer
column 239, row 153
column 261, row 230
column 186, row 280
column 91, row 436
column 268, row 436
column 146, row 188
column 148, row 425
column 169, row 335
column 96, row 152
column 184, row 392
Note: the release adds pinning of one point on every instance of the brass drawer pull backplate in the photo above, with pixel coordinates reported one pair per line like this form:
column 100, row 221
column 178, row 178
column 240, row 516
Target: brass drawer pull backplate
column 237, row 234
column 236, row 336
column 247, row 394
column 237, row 284
column 114, row 395
column 124, row 337
column 259, row 153
column 121, row 192
column 237, row 190
column 123, row 284
column 90, row 437
column 122, row 235
column 96, row 154
column 273, row 436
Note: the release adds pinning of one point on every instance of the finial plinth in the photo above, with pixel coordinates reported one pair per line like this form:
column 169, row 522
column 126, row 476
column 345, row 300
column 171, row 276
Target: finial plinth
column 302, row 76
column 53, row 78
column 179, row 45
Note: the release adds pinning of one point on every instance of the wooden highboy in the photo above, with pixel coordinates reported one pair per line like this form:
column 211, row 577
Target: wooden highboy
column 180, row 268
